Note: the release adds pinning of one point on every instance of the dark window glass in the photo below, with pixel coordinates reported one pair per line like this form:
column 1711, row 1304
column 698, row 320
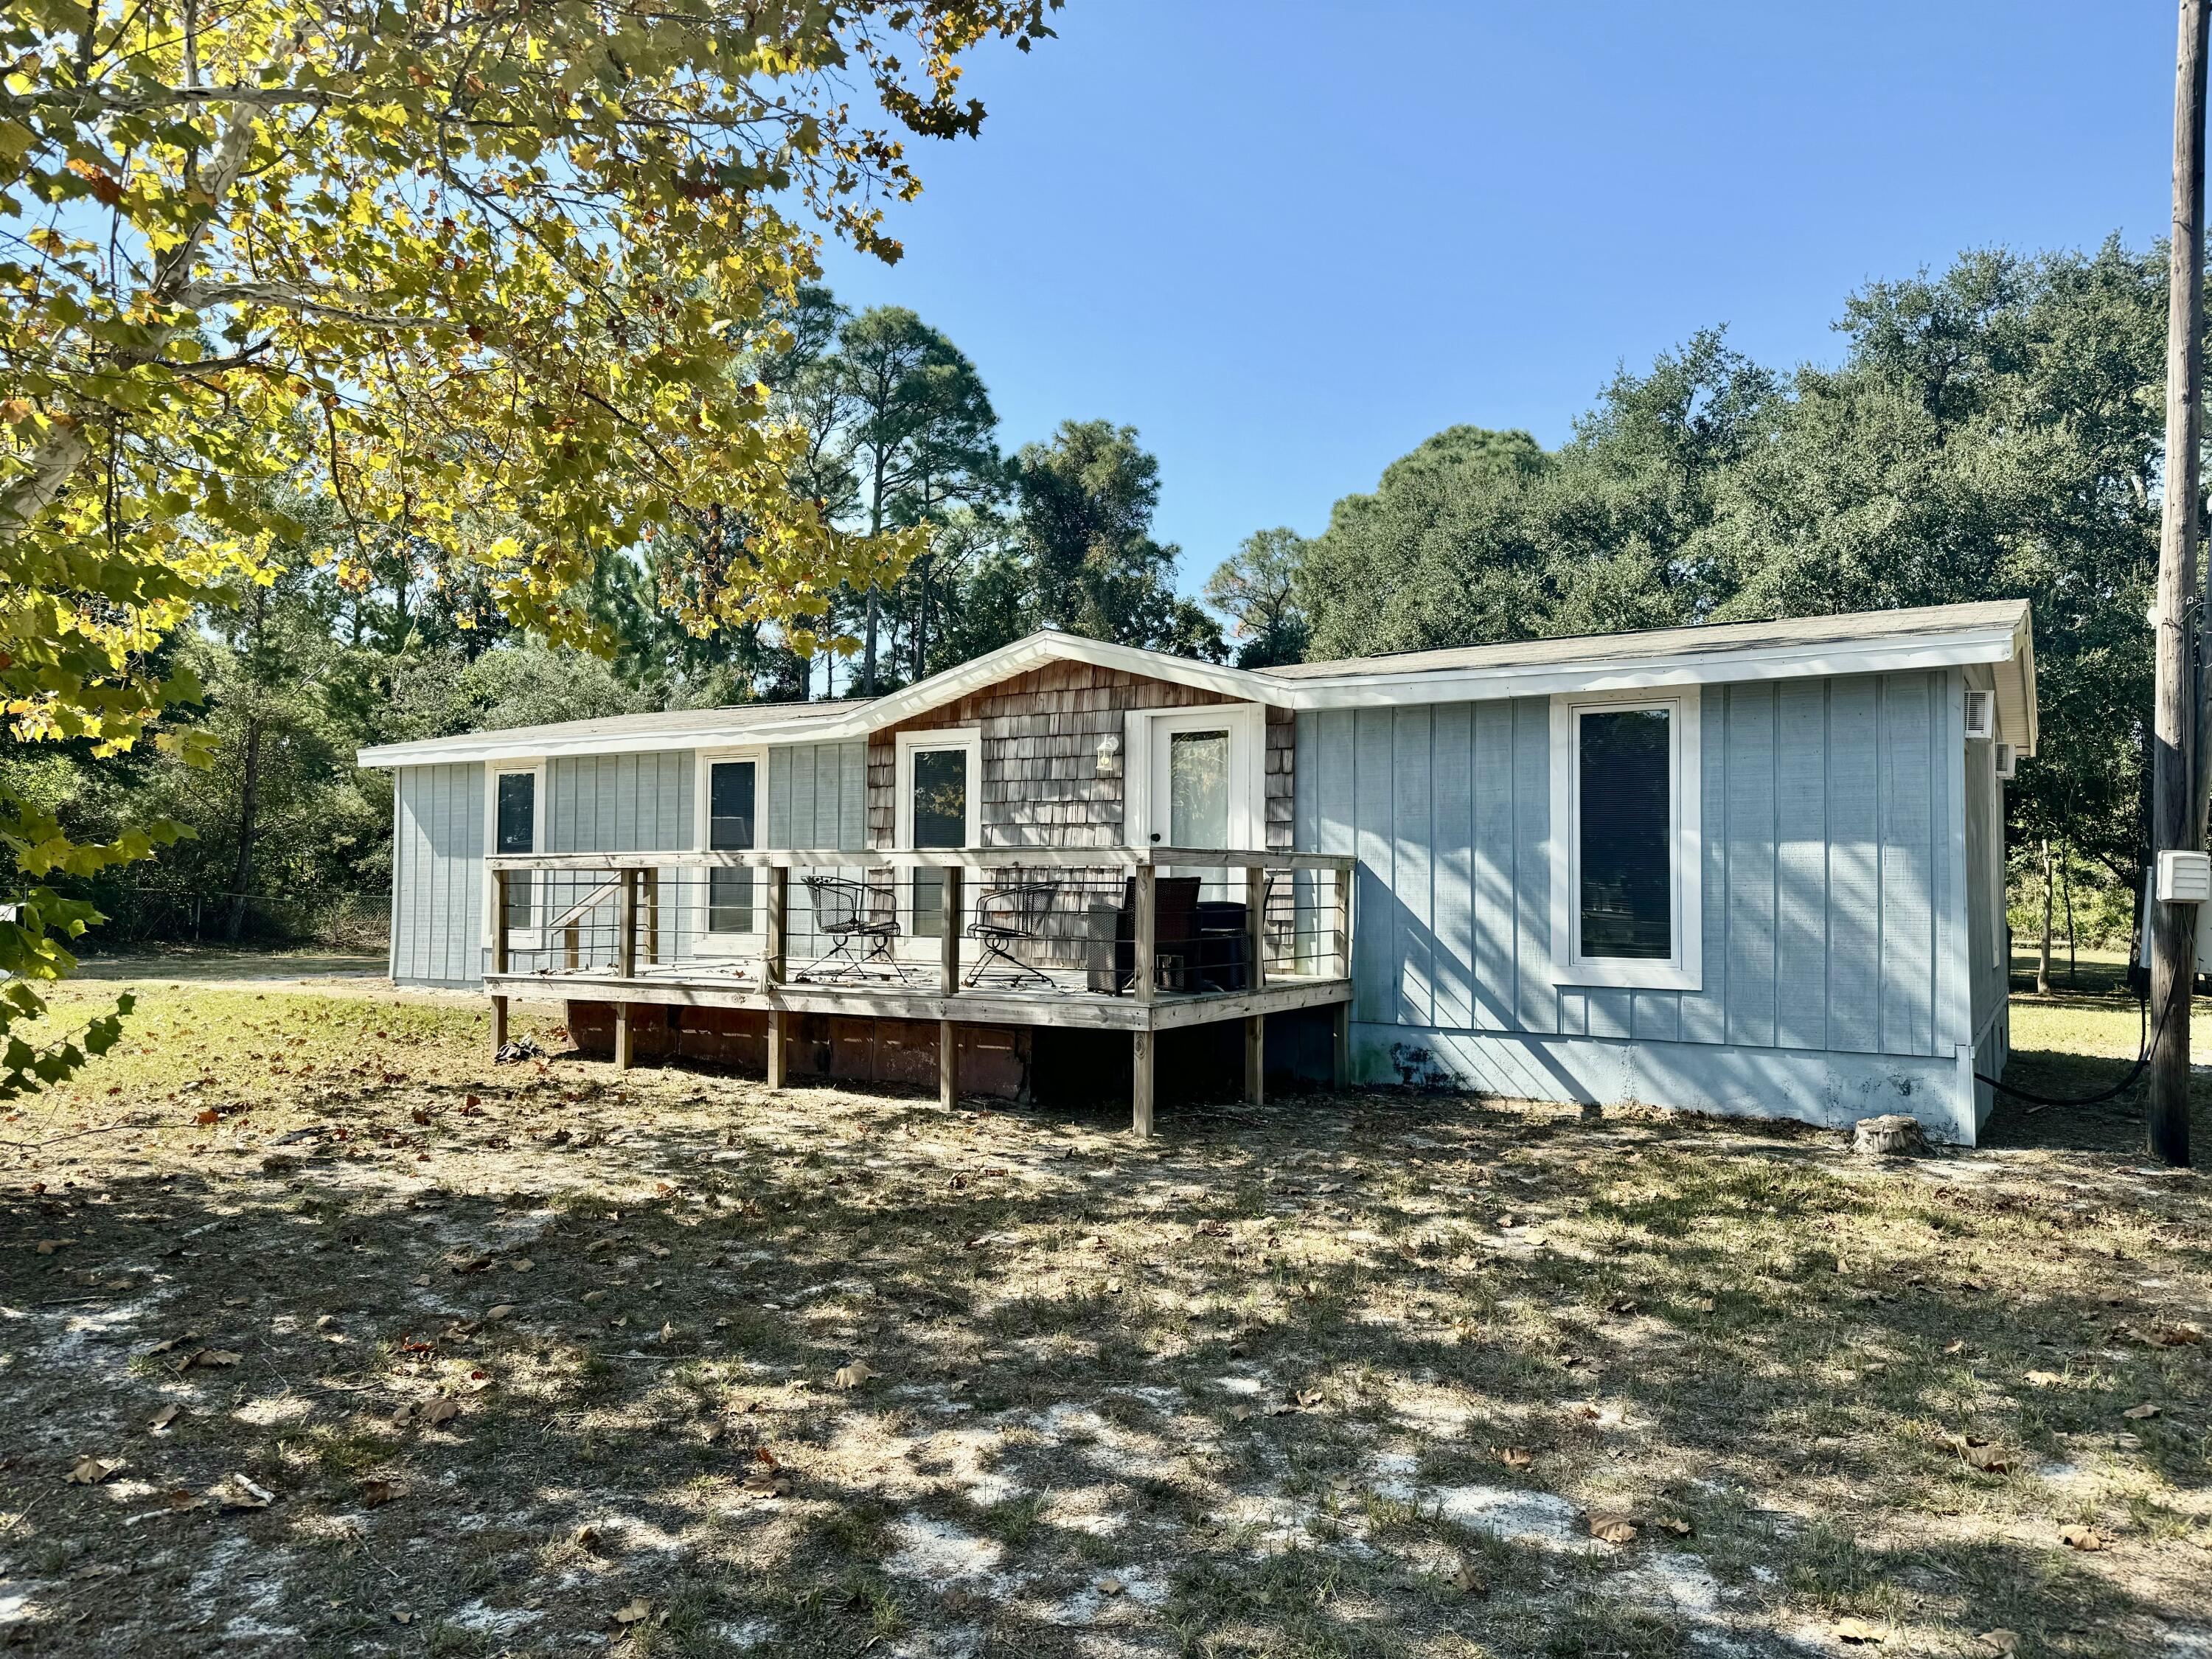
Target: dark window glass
column 517, row 833
column 730, row 796
column 1626, row 903
column 940, row 819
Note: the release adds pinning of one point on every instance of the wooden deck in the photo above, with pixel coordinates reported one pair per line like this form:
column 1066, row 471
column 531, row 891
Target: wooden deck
column 933, row 991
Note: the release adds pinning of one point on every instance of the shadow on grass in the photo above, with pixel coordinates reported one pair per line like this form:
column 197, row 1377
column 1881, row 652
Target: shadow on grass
column 730, row 1301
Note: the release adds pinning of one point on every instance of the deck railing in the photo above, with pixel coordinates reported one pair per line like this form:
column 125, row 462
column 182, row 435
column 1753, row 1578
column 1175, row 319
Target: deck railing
column 1143, row 923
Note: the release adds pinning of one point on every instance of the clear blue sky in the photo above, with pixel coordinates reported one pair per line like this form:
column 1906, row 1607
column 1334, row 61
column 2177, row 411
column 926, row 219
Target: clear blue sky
column 1287, row 240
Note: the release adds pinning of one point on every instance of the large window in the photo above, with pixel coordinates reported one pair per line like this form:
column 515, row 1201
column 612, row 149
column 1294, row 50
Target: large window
column 1625, row 817
column 514, row 804
column 731, row 791
column 939, row 798
column 1625, row 801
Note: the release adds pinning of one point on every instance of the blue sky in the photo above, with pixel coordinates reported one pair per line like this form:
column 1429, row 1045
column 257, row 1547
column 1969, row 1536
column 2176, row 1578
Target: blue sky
column 1289, row 239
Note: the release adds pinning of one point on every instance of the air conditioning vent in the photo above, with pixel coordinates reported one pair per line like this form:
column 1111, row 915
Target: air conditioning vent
column 2008, row 760
column 1981, row 715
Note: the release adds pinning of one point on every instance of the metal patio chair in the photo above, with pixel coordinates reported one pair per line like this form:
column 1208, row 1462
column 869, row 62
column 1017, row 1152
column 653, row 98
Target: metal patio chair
column 858, row 920
column 1006, row 916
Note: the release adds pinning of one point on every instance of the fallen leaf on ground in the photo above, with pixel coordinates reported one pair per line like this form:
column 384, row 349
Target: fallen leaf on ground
column 1514, row 1457
column 2083, row 1538
column 164, row 1416
column 1981, row 1455
column 375, row 1494
column 1308, row 1398
column 1856, row 1631
column 180, row 1500
column 1613, row 1529
column 1958, row 1346
column 440, row 1410
column 2043, row 1379
column 2183, row 1335
column 2000, row 1641
column 1464, row 1579
column 213, row 1358
column 2138, row 1414
column 240, row 1492
column 585, row 1537
column 632, row 1612
column 1675, row 1524
column 499, row 1311
column 91, row 1471
column 1109, row 1585
column 48, row 1246
column 853, row 1375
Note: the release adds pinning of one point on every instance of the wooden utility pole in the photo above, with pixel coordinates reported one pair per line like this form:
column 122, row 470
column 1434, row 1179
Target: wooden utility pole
column 2177, row 806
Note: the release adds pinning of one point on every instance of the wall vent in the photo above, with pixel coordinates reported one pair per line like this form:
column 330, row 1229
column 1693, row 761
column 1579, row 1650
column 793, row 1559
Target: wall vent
column 1981, row 715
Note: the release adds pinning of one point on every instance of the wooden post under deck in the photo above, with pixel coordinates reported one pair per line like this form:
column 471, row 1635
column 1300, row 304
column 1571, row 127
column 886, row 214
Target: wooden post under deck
column 948, row 1034
column 625, row 959
column 1340, row 1046
column 1141, row 1044
column 772, row 968
column 1255, row 1058
column 498, row 957
column 1145, row 946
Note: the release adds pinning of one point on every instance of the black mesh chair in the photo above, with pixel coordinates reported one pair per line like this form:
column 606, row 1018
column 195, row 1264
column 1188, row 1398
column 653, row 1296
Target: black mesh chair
column 858, row 920
column 1006, row 916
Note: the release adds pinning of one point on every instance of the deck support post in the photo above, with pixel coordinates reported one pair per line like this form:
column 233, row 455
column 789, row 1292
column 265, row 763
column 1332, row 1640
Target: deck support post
column 1255, row 1058
column 1340, row 1045
column 772, row 964
column 622, row 1037
column 650, row 883
column 498, row 957
column 1141, row 1046
column 776, row 943
column 949, row 946
column 948, row 1064
column 1147, row 944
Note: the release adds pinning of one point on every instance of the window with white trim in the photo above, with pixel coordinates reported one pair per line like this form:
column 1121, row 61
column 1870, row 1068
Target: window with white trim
column 1626, row 886
column 514, row 810
column 940, row 779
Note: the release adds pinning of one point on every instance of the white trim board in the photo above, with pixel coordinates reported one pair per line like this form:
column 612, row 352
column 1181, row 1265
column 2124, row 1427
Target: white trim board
column 1685, row 970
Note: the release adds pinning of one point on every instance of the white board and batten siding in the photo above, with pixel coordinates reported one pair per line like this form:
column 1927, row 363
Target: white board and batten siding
column 614, row 802
column 1837, row 964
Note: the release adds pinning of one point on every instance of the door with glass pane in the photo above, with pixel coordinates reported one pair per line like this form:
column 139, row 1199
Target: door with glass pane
column 733, row 792
column 1193, row 783
column 939, row 789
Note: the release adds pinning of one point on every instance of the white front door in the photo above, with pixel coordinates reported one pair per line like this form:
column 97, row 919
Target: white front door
column 1198, row 783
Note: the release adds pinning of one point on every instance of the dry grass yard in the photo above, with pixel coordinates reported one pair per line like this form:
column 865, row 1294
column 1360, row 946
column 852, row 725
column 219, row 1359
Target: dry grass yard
column 321, row 1333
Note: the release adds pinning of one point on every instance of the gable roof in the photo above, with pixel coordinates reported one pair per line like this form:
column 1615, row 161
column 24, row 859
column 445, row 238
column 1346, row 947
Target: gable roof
column 1993, row 632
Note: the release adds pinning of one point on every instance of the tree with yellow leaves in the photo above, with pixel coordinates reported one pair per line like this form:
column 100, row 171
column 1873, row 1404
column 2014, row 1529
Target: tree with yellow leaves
column 484, row 272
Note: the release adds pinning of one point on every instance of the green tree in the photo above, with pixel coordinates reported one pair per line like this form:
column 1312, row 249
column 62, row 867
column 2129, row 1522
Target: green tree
column 922, row 433
column 1254, row 590
column 505, row 256
column 1085, row 513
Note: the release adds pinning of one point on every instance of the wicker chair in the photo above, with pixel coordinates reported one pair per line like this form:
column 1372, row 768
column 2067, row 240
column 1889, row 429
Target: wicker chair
column 858, row 920
column 1006, row 916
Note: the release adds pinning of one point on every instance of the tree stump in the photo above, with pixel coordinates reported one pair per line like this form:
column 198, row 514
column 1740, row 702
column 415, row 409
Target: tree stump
column 1890, row 1135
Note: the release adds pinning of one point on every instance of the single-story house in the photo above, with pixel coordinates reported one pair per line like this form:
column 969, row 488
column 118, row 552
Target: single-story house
column 1753, row 868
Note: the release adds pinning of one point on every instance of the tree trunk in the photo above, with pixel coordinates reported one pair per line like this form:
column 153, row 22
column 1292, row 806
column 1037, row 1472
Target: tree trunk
column 2042, row 959
column 242, row 871
column 2072, row 959
column 2176, row 815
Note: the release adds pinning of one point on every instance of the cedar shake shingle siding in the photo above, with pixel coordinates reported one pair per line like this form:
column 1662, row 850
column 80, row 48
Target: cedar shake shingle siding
column 1040, row 786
